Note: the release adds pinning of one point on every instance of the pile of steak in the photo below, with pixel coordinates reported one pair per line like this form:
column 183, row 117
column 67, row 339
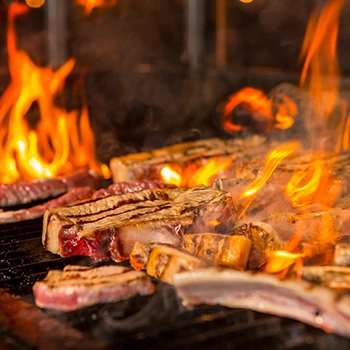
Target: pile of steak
column 108, row 227
column 79, row 286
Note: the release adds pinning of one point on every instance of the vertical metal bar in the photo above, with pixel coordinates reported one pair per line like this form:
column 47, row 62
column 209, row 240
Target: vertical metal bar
column 195, row 33
column 56, row 24
column 221, row 29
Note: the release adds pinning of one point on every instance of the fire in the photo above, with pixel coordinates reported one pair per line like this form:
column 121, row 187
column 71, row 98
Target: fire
column 272, row 161
column 257, row 102
column 91, row 4
column 57, row 141
column 320, row 55
column 171, row 176
column 281, row 260
column 193, row 175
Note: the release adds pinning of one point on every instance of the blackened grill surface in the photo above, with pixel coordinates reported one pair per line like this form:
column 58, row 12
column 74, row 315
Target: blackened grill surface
column 158, row 321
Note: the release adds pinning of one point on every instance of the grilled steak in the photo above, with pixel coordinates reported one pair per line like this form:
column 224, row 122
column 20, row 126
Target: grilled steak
column 109, row 227
column 79, row 286
column 317, row 306
column 226, row 250
column 129, row 187
column 147, row 165
column 38, row 210
column 27, row 192
column 163, row 261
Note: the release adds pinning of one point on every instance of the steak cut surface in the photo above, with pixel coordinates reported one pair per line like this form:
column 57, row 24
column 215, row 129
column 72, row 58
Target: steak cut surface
column 79, row 286
column 109, row 227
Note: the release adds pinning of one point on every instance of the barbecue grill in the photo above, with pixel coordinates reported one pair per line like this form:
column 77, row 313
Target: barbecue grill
column 157, row 321
column 146, row 98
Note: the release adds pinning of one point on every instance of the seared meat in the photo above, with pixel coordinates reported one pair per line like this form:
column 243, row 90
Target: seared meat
column 295, row 299
column 264, row 239
column 26, row 192
column 147, row 165
column 79, row 286
column 129, row 187
column 226, row 250
column 38, row 210
column 163, row 261
column 109, row 227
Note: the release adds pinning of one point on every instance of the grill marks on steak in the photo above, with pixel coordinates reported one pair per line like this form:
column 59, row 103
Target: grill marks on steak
column 109, row 227
column 27, row 192
column 79, row 286
column 38, row 210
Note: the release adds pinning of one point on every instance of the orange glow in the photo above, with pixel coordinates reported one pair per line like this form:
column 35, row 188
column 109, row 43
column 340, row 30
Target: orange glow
column 205, row 173
column 256, row 102
column 319, row 53
column 91, row 4
column 170, row 176
column 35, row 3
column 57, row 142
column 194, row 175
column 272, row 161
column 313, row 184
column 281, row 260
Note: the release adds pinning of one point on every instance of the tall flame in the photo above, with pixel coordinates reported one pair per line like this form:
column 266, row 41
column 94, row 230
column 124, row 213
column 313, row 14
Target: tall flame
column 59, row 141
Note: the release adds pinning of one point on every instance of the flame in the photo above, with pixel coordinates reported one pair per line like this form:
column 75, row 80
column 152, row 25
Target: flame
column 257, row 102
column 313, row 184
column 59, row 141
column 272, row 161
column 319, row 53
column 193, row 175
column 170, row 176
column 91, row 4
column 281, row 260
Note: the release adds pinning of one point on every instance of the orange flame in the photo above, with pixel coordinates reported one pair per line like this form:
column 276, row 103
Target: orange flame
column 281, row 260
column 91, row 4
column 60, row 141
column 193, row 175
column 319, row 52
column 257, row 103
column 272, row 160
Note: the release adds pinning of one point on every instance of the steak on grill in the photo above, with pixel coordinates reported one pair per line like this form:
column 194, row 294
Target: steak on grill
column 27, row 192
column 38, row 210
column 109, row 227
column 79, row 286
column 296, row 299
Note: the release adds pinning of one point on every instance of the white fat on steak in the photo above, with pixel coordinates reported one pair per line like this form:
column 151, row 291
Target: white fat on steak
column 296, row 299
column 79, row 286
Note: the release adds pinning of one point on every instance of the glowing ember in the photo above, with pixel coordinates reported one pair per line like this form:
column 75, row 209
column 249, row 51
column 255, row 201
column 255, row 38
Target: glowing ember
column 91, row 4
column 256, row 102
column 59, row 141
column 281, row 260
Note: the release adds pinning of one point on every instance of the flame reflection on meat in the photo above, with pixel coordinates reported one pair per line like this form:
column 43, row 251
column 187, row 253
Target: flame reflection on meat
column 58, row 142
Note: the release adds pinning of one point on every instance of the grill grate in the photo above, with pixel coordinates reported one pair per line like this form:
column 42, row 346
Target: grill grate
column 158, row 321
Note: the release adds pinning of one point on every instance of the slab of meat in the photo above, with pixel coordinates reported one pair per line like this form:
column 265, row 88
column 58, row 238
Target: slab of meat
column 147, row 165
column 129, row 187
column 38, row 210
column 27, row 192
column 79, row 286
column 109, row 227
column 225, row 250
column 317, row 306
column 163, row 261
